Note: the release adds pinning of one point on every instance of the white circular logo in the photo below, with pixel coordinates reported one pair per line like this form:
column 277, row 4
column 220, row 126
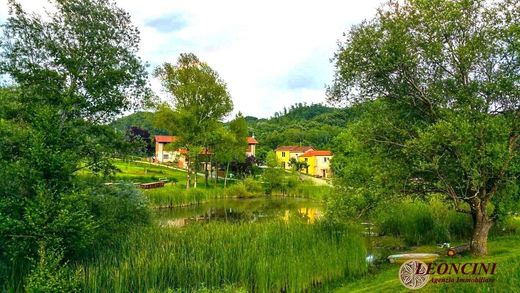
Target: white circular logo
column 413, row 274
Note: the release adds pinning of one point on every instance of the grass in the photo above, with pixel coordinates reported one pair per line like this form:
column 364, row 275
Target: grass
column 174, row 194
column 266, row 257
column 504, row 250
column 142, row 172
column 420, row 222
column 177, row 195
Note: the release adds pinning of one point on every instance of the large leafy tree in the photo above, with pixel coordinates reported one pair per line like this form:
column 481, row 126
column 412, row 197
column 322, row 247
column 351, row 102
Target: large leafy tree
column 446, row 77
column 71, row 71
column 200, row 100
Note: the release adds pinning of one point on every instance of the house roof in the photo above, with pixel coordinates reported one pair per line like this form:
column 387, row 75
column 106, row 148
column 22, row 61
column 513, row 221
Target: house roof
column 165, row 138
column 314, row 153
column 294, row 149
column 251, row 140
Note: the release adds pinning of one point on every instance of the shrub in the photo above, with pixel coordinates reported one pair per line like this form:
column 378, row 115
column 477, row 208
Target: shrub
column 51, row 274
column 419, row 222
column 253, row 186
column 117, row 209
column 237, row 190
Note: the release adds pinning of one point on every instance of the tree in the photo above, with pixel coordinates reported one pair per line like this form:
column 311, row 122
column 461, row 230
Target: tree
column 200, row 99
column 274, row 176
column 445, row 75
column 230, row 144
column 71, row 72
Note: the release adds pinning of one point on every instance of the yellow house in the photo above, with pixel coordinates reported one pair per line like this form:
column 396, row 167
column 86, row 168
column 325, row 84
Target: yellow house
column 318, row 163
column 285, row 153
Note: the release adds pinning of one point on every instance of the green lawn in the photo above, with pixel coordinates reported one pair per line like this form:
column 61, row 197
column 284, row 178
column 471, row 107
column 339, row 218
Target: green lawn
column 143, row 172
column 504, row 250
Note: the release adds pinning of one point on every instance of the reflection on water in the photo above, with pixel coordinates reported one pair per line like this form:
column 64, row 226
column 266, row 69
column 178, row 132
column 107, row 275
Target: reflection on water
column 239, row 210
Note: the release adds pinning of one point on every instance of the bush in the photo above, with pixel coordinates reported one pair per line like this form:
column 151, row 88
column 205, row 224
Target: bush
column 238, row 190
column 117, row 209
column 51, row 275
column 419, row 222
column 253, row 186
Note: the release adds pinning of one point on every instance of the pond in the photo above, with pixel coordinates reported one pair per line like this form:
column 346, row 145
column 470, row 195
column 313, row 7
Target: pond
column 239, row 210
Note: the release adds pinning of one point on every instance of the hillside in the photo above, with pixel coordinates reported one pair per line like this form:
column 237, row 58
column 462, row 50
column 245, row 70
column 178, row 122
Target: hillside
column 316, row 125
column 143, row 120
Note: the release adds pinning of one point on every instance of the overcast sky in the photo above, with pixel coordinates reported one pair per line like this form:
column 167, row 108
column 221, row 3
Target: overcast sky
column 270, row 53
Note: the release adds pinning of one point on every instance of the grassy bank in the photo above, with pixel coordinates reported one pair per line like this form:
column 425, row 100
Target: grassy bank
column 140, row 172
column 503, row 250
column 263, row 257
column 174, row 194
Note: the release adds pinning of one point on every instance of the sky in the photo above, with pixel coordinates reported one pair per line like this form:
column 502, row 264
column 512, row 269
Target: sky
column 271, row 54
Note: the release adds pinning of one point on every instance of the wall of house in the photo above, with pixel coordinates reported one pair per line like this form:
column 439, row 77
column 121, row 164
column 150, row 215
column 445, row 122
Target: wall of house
column 323, row 164
column 160, row 153
column 311, row 162
column 251, row 150
column 283, row 159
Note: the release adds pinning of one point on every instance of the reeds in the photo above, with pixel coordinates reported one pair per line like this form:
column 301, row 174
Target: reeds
column 264, row 257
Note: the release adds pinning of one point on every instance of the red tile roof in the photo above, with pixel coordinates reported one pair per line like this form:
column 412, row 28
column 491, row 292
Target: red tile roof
column 165, row 138
column 295, row 149
column 251, row 140
column 316, row 153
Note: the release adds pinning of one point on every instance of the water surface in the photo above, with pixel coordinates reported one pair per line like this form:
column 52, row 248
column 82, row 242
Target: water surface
column 240, row 210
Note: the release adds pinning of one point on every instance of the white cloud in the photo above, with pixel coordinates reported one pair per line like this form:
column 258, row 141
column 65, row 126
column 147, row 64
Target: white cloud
column 264, row 50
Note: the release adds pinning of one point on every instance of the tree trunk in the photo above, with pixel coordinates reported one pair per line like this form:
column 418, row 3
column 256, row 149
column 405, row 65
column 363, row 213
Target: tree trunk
column 481, row 226
column 206, row 172
column 216, row 174
column 225, row 177
column 188, row 176
column 195, row 179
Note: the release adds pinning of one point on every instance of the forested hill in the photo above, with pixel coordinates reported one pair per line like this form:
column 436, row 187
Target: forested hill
column 315, row 125
column 143, row 120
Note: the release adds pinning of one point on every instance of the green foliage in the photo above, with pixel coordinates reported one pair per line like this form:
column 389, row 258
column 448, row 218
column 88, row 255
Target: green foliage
column 72, row 71
column 201, row 101
column 301, row 124
column 238, row 190
column 262, row 257
column 141, row 119
column 253, row 186
column 274, row 176
column 174, row 196
column 419, row 223
column 50, row 275
column 446, row 116
column 118, row 209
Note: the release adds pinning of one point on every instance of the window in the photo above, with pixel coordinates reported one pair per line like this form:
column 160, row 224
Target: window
column 165, row 156
column 325, row 159
column 306, row 159
column 283, row 154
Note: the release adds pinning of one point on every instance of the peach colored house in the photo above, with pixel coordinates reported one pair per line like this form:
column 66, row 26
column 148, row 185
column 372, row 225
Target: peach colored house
column 164, row 154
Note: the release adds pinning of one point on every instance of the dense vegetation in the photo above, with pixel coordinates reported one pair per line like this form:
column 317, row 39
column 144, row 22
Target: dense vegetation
column 428, row 152
column 52, row 125
column 301, row 124
column 256, row 257
column 315, row 125
column 440, row 82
